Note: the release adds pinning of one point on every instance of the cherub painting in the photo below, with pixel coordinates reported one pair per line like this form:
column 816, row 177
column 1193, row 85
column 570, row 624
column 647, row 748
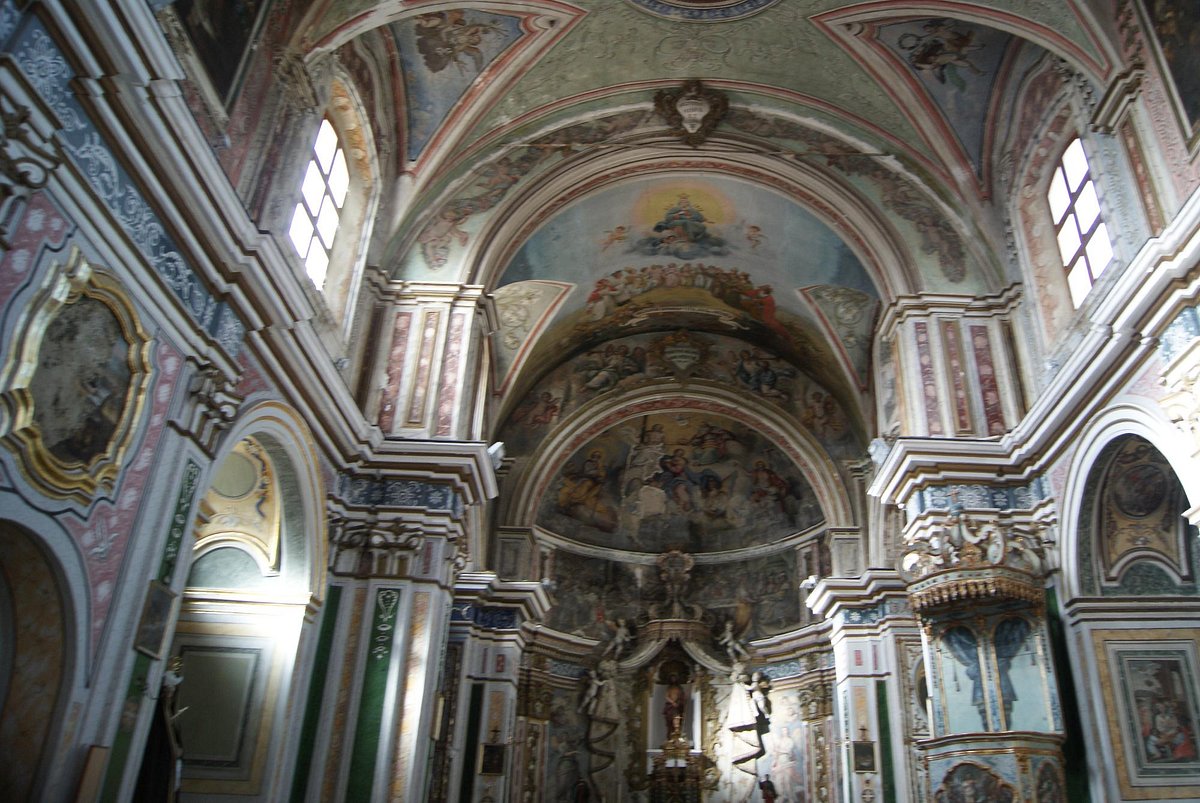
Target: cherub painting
column 445, row 37
column 941, row 49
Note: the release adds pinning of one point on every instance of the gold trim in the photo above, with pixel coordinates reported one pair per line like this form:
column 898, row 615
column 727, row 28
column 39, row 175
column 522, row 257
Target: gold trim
column 66, row 284
column 956, row 585
column 248, row 519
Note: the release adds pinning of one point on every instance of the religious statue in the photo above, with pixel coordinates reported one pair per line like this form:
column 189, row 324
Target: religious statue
column 733, row 648
column 162, row 763
column 591, row 697
column 620, row 639
column 749, row 716
column 674, row 708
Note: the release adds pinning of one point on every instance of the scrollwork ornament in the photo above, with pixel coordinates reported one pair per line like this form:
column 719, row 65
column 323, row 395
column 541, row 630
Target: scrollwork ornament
column 212, row 406
column 26, row 162
column 293, row 77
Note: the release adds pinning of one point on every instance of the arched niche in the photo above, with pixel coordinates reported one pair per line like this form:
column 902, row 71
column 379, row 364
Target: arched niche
column 257, row 570
column 36, row 660
column 1128, row 601
column 1132, row 538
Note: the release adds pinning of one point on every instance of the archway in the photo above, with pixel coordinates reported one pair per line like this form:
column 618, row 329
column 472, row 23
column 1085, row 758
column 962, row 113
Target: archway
column 33, row 660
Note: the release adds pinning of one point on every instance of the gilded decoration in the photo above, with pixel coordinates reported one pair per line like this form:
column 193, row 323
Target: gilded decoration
column 963, row 560
column 242, row 508
column 75, row 382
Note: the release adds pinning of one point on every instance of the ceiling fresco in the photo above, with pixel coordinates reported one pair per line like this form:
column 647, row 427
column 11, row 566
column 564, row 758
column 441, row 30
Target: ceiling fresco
column 957, row 65
column 443, row 53
column 706, row 253
column 688, row 480
column 693, row 358
column 688, row 219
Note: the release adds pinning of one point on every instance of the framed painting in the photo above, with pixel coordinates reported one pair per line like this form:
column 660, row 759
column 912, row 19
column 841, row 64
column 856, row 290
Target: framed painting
column 75, row 382
column 491, row 762
column 1154, row 683
column 863, row 754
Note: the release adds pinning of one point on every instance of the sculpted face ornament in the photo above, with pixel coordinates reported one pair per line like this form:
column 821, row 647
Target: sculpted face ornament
column 692, row 111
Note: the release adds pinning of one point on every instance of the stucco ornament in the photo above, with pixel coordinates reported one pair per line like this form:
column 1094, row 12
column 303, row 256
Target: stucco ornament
column 692, row 111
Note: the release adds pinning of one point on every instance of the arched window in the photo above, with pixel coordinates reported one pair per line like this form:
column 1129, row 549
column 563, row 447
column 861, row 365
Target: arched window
column 317, row 216
column 1083, row 241
column 334, row 205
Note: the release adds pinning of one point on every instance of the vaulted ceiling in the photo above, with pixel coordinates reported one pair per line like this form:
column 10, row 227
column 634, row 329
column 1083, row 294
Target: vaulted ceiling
column 721, row 297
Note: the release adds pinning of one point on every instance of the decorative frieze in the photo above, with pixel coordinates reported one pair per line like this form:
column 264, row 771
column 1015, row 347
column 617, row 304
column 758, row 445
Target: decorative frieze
column 977, row 496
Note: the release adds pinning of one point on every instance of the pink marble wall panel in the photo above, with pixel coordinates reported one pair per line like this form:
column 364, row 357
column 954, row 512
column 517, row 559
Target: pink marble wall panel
column 38, row 225
column 252, row 379
column 952, row 343
column 420, row 391
column 395, row 370
column 993, row 412
column 933, row 416
column 448, row 387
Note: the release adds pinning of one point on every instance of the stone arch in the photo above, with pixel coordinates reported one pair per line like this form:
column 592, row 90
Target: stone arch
column 38, row 657
column 244, row 621
column 1132, row 418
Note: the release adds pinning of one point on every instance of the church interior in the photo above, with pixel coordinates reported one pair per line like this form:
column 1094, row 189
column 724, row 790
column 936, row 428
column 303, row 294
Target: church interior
column 558, row 401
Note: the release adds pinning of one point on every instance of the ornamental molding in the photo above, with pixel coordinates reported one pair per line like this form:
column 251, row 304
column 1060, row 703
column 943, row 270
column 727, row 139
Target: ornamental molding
column 692, row 111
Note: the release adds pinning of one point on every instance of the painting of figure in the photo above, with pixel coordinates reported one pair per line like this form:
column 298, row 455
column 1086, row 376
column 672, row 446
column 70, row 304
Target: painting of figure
column 684, row 232
column 956, row 63
column 1160, row 690
column 221, row 32
column 442, row 53
column 83, row 377
column 638, row 360
column 973, row 783
column 690, row 481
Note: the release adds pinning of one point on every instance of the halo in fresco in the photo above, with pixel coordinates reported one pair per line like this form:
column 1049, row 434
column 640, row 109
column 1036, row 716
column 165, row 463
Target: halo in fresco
column 694, row 481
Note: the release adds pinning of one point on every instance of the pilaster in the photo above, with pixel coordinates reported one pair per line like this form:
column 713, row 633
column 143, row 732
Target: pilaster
column 869, row 618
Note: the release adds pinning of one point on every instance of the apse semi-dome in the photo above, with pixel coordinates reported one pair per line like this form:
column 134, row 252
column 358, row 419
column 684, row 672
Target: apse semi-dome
column 689, row 480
